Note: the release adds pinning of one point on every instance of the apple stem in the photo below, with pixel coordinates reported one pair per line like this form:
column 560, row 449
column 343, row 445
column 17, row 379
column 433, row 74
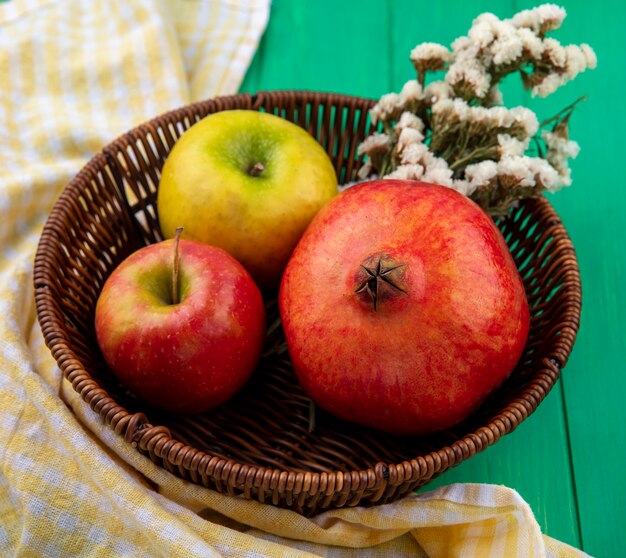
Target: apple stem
column 256, row 169
column 175, row 272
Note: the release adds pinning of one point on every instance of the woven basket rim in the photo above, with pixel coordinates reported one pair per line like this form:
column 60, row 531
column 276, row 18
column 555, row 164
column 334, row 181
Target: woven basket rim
column 135, row 428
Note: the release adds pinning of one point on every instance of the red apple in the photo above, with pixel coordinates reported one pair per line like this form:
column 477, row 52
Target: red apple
column 185, row 352
column 402, row 307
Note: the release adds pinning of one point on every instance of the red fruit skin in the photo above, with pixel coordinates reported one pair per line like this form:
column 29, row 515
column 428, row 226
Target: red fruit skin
column 187, row 357
column 427, row 357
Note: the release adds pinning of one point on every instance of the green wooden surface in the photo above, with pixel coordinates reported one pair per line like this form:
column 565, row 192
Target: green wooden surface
column 567, row 460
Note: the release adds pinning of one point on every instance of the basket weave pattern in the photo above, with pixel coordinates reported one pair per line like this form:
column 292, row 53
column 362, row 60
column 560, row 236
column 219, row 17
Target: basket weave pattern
column 259, row 445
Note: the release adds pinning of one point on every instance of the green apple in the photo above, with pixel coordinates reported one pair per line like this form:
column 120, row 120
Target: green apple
column 248, row 182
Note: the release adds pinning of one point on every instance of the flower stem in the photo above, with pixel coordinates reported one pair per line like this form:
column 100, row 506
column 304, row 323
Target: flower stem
column 479, row 152
column 421, row 77
column 564, row 112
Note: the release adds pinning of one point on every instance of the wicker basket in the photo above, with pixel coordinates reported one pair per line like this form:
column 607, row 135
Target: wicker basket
column 259, row 445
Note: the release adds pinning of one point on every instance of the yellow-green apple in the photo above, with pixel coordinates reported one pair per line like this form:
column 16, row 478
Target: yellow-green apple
column 181, row 325
column 402, row 307
column 248, row 182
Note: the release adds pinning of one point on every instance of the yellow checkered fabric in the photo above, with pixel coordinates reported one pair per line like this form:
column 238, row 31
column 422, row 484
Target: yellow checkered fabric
column 74, row 75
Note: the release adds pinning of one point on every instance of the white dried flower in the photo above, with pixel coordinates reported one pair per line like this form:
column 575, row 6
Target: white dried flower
column 409, row 120
column 560, row 150
column 486, row 17
column 374, row 143
column 433, row 162
column 460, row 108
column 481, row 174
column 590, row 56
column 541, row 19
column 505, row 51
column 463, row 116
column 411, row 93
column 365, row 170
column 516, row 171
column 414, row 153
column 527, row 118
column 430, row 56
column 494, row 96
column 468, row 75
column 407, row 172
column 576, row 61
column 508, row 146
column 387, row 106
column 569, row 62
column 559, row 144
column 463, row 187
column 545, row 174
column 478, row 115
column 570, row 148
column 554, row 52
column 436, row 91
column 508, row 45
column 500, row 117
column 407, row 137
column 451, row 110
column 438, row 175
column 482, row 30
column 548, row 85
column 443, row 108
column 460, row 44
column 566, row 177
column 530, row 42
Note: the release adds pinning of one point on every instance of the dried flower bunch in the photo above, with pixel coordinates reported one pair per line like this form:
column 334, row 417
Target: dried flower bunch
column 455, row 131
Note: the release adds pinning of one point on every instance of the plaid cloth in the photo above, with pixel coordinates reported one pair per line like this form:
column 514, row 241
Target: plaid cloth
column 74, row 75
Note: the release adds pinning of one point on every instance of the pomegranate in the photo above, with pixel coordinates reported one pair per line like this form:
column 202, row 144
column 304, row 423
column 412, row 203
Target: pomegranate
column 402, row 307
